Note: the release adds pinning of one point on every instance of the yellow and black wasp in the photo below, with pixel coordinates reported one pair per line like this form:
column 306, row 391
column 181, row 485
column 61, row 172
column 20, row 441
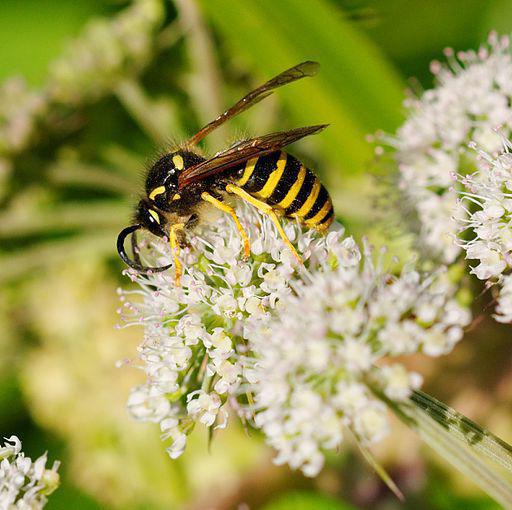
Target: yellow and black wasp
column 255, row 170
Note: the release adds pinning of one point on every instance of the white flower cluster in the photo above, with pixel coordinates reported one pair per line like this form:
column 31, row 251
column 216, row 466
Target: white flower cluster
column 488, row 230
column 472, row 98
column 107, row 51
column 195, row 333
column 24, row 484
column 291, row 348
column 316, row 365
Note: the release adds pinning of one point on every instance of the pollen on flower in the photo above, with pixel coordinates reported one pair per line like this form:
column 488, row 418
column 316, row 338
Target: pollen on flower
column 24, row 483
column 298, row 351
column 473, row 97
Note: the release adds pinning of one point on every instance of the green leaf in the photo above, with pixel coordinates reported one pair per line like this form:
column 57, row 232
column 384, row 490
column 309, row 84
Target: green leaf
column 302, row 500
column 357, row 90
column 477, row 453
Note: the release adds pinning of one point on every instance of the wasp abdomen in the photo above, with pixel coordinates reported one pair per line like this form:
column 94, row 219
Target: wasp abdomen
column 283, row 182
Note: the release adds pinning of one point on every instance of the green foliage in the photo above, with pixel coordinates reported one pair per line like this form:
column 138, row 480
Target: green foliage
column 274, row 35
column 34, row 32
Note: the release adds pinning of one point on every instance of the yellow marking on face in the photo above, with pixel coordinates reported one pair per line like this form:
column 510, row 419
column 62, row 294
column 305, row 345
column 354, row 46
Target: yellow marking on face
column 249, row 169
column 178, row 162
column 308, row 204
column 156, row 191
column 274, row 177
column 320, row 214
column 155, row 216
column 176, row 196
column 294, row 190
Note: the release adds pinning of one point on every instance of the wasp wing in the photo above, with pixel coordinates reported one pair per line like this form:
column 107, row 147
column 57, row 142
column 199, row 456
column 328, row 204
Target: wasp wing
column 243, row 151
column 297, row 72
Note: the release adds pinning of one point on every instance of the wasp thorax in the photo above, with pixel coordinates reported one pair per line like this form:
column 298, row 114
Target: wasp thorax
column 162, row 179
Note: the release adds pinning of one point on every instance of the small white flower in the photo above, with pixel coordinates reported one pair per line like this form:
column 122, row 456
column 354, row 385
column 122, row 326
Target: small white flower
column 147, row 403
column 371, row 423
column 203, row 407
column 356, row 355
column 350, row 397
column 397, row 382
column 191, row 328
column 24, row 484
column 226, row 304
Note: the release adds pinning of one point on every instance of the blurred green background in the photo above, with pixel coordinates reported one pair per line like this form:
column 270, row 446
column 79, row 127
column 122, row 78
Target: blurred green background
column 91, row 91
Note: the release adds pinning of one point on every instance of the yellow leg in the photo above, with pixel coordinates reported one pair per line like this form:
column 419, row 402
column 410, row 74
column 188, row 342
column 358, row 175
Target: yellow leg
column 226, row 208
column 175, row 247
column 266, row 209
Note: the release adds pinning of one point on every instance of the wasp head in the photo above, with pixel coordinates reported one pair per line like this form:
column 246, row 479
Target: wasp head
column 149, row 218
column 162, row 180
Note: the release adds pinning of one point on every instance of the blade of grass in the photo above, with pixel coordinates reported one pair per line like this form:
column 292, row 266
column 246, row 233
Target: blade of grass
column 465, row 430
column 477, row 453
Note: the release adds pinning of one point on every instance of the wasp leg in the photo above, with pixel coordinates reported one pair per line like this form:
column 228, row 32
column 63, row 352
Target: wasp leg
column 226, row 208
column 266, row 209
column 175, row 247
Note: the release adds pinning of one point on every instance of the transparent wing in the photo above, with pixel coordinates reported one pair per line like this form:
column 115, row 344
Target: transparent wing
column 297, row 72
column 244, row 150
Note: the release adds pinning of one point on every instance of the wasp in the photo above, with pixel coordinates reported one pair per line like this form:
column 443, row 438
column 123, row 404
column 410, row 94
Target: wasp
column 257, row 171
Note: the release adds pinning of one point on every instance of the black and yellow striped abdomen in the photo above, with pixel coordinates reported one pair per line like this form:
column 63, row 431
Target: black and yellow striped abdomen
column 283, row 182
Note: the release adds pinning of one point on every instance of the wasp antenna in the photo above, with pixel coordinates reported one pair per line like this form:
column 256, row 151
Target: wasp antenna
column 127, row 260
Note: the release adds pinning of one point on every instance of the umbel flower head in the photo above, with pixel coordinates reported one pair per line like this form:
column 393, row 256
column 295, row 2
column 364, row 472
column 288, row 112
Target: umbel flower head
column 24, row 484
column 294, row 350
column 487, row 233
column 472, row 97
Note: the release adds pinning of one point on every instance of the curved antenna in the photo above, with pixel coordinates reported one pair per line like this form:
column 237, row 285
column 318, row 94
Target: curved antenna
column 134, row 264
column 302, row 70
